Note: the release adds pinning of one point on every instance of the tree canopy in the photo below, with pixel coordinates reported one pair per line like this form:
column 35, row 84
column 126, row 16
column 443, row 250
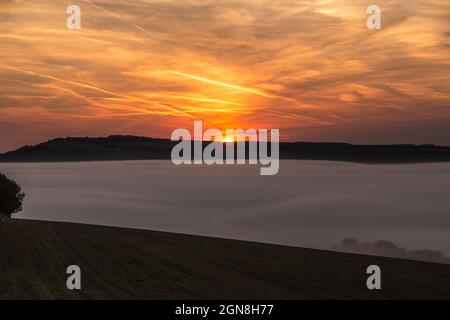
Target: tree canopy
column 11, row 196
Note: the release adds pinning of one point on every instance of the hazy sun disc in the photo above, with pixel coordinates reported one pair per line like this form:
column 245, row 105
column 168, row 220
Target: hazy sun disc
column 227, row 140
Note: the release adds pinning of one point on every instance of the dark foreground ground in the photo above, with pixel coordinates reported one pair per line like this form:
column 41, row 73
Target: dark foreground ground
column 134, row 264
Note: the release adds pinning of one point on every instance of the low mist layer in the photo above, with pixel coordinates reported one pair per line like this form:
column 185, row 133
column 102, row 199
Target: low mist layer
column 309, row 203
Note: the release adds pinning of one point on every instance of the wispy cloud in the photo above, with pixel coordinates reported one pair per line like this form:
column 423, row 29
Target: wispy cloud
column 310, row 68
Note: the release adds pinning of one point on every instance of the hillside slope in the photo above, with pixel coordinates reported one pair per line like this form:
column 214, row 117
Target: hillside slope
column 135, row 264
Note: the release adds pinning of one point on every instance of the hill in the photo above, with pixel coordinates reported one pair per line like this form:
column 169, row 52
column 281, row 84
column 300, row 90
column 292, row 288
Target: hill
column 141, row 148
column 121, row 263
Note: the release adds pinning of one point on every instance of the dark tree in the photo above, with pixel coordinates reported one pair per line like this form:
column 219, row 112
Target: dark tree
column 11, row 196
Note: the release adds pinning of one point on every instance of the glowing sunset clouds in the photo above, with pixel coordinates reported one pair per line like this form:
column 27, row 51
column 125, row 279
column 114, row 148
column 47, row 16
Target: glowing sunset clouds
column 146, row 67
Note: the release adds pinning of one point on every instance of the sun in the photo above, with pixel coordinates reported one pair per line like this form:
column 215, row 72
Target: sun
column 227, row 140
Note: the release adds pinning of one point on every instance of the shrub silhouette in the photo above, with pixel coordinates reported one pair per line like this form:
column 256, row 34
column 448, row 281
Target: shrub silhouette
column 389, row 249
column 11, row 196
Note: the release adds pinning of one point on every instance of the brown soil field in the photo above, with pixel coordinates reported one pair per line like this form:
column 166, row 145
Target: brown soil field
column 119, row 263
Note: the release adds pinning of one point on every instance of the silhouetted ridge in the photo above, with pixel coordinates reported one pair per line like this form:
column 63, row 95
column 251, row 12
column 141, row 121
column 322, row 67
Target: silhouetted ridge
column 120, row 147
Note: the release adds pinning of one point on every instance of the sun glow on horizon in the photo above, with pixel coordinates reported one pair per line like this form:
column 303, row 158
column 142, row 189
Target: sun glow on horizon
column 228, row 140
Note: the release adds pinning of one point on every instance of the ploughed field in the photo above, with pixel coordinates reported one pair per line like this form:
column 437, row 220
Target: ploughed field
column 119, row 263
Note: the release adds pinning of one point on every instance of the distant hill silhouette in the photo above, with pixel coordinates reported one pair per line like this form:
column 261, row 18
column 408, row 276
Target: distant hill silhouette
column 142, row 148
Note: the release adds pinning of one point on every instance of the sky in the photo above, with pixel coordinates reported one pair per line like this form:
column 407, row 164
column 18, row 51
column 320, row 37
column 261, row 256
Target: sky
column 147, row 67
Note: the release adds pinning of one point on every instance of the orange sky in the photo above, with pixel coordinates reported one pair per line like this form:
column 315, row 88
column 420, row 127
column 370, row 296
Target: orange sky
column 146, row 67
